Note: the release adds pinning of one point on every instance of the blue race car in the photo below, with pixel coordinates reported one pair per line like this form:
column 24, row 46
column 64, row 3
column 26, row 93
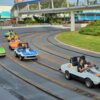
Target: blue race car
column 24, row 52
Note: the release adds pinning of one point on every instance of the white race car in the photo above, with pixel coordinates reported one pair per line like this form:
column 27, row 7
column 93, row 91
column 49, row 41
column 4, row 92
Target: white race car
column 90, row 76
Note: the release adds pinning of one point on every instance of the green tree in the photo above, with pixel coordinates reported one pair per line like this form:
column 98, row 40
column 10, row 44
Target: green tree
column 34, row 6
column 60, row 3
column 46, row 4
column 57, row 3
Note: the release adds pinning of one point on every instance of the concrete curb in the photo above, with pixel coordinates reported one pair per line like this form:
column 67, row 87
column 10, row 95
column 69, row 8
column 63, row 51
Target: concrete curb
column 30, row 26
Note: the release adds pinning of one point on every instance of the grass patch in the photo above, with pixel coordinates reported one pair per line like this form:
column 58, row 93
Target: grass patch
column 79, row 40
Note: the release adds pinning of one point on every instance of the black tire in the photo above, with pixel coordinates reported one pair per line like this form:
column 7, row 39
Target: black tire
column 10, row 48
column 4, row 56
column 88, row 83
column 67, row 75
column 16, row 55
column 21, row 58
column 36, row 59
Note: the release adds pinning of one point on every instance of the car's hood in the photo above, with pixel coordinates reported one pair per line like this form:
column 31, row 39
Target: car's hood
column 29, row 52
column 2, row 50
column 95, row 70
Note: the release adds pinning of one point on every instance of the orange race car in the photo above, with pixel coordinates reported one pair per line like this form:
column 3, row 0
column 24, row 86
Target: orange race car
column 13, row 44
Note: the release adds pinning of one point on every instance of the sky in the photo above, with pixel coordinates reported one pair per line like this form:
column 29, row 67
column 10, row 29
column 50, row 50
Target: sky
column 10, row 2
column 6, row 2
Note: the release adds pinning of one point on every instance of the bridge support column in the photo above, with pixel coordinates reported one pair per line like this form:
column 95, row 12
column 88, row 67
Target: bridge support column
column 17, row 14
column 67, row 3
column 44, row 17
column 28, row 6
column 52, row 4
column 72, row 21
column 39, row 5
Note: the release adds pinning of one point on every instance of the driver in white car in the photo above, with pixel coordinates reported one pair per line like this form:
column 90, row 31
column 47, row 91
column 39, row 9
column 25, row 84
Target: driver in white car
column 83, row 65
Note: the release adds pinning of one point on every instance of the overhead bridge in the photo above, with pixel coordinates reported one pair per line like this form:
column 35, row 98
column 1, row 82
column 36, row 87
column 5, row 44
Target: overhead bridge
column 59, row 10
column 24, row 9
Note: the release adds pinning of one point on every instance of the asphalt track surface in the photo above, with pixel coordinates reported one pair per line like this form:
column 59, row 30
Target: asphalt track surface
column 41, row 79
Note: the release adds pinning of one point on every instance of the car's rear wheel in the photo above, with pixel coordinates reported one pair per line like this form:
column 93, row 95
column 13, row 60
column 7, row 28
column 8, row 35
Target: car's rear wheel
column 67, row 75
column 21, row 58
column 88, row 83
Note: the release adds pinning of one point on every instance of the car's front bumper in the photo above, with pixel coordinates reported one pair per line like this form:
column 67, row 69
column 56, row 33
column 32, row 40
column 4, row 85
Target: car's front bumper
column 13, row 48
column 30, row 57
column 2, row 54
column 96, row 82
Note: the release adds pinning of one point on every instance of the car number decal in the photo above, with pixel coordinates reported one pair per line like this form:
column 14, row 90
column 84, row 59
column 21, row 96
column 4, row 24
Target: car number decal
column 69, row 65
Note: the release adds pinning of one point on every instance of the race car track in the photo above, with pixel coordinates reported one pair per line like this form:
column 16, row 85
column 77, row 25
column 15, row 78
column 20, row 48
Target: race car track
column 59, row 51
column 54, row 79
column 50, row 49
column 30, row 82
column 44, row 74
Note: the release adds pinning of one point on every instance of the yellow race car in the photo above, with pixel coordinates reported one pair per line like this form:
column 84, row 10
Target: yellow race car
column 13, row 37
column 10, row 37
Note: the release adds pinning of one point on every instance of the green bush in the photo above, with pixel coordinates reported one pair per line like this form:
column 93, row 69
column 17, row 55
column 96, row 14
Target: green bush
column 95, row 23
column 39, row 19
column 29, row 21
column 21, row 22
column 92, row 29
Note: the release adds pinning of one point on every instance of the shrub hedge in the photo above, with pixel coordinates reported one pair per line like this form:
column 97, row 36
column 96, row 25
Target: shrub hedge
column 92, row 29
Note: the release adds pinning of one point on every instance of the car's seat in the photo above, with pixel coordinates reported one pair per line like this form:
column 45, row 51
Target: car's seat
column 74, row 61
column 84, row 58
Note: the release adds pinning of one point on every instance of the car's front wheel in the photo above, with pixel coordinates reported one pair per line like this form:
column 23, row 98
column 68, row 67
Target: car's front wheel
column 36, row 59
column 67, row 75
column 88, row 83
column 16, row 54
column 10, row 48
column 21, row 58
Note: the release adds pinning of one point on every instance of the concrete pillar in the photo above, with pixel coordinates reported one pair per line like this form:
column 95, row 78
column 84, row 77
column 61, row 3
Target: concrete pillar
column 72, row 21
column 88, row 3
column 18, row 16
column 77, row 3
column 28, row 6
column 17, row 13
column 39, row 5
column 67, row 3
column 44, row 17
column 52, row 4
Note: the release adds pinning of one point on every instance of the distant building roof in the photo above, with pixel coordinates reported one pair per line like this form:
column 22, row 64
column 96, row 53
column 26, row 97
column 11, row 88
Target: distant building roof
column 26, row 1
column 5, row 11
column 5, row 8
column 15, row 1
